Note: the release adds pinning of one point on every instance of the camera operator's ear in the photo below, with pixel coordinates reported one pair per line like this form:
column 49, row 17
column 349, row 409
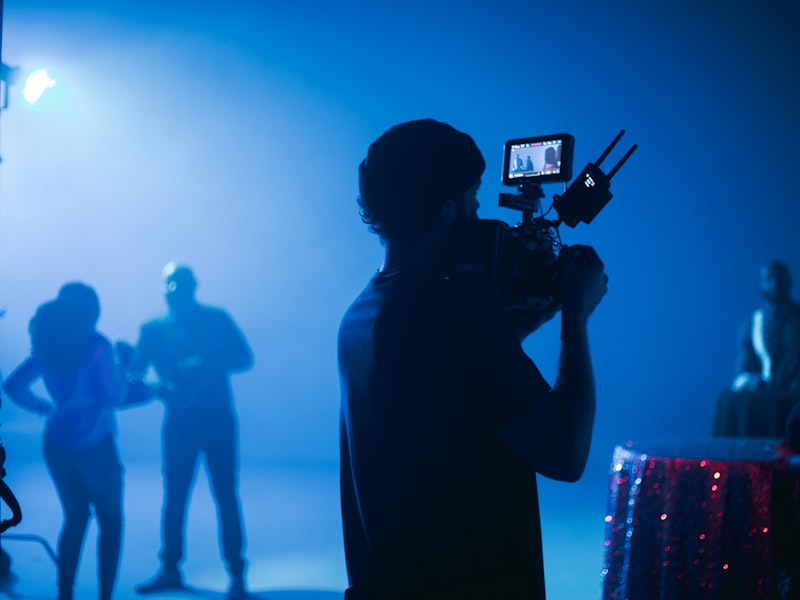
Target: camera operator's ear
column 462, row 206
column 451, row 211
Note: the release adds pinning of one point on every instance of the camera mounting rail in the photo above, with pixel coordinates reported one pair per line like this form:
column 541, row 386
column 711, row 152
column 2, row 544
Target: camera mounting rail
column 528, row 200
column 591, row 191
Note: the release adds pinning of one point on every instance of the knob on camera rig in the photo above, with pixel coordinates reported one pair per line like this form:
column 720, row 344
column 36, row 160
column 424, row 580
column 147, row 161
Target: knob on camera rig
column 517, row 265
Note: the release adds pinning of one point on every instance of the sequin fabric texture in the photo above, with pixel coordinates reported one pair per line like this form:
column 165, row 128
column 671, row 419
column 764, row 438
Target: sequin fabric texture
column 695, row 519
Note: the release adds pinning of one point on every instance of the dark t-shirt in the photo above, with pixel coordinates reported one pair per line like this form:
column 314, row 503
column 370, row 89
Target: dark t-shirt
column 432, row 503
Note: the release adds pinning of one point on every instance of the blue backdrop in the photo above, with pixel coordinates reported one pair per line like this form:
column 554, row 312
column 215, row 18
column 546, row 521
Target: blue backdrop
column 228, row 136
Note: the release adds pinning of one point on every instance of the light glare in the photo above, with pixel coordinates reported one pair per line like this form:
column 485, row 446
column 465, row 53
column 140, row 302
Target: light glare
column 36, row 84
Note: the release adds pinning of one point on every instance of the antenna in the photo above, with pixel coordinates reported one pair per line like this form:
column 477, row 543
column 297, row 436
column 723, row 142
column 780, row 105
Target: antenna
column 591, row 190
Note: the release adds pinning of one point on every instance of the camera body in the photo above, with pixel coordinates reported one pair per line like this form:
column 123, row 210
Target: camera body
column 516, row 265
column 519, row 265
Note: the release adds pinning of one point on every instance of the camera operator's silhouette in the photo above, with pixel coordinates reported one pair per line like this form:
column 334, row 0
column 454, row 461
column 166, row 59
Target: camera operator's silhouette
column 84, row 384
column 445, row 421
column 767, row 381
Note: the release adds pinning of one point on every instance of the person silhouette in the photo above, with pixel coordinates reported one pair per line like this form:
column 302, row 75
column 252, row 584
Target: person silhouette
column 445, row 421
column 550, row 159
column 528, row 164
column 766, row 384
column 193, row 349
column 84, row 382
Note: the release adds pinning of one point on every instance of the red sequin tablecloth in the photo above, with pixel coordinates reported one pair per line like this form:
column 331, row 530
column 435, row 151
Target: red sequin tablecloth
column 696, row 520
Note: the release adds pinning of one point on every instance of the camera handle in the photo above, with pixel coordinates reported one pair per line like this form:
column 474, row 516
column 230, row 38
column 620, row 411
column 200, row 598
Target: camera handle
column 528, row 200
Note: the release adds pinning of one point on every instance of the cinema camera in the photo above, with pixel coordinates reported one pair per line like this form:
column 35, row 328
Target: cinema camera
column 518, row 265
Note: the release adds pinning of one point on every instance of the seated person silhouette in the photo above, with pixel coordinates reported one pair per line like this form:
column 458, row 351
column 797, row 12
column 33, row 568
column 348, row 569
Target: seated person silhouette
column 767, row 382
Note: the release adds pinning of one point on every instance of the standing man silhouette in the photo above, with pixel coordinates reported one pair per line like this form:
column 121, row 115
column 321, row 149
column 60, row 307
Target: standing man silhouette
column 193, row 348
column 445, row 421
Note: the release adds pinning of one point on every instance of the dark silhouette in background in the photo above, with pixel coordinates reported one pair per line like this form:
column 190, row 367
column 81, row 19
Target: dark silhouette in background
column 84, row 382
column 445, row 421
column 10, row 499
column 193, row 348
column 767, row 382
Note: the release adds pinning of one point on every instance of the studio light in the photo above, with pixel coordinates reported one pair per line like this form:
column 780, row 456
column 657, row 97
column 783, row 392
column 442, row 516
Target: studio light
column 36, row 84
column 8, row 76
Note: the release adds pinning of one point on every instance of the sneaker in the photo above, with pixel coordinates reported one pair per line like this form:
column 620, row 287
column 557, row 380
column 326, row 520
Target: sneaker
column 167, row 579
column 237, row 590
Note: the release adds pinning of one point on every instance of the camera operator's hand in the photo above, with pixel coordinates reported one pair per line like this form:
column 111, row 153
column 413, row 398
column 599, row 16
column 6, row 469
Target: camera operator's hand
column 582, row 282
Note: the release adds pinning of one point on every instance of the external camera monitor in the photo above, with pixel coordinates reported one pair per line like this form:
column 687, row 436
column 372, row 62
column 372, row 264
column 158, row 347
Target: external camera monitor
column 543, row 159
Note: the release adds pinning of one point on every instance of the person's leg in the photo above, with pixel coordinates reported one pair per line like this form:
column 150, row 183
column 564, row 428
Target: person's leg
column 180, row 453
column 180, row 465
column 103, row 476
column 222, row 461
column 63, row 469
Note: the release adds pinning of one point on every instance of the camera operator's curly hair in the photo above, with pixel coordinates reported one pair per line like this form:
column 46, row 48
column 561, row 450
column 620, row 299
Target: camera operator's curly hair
column 410, row 172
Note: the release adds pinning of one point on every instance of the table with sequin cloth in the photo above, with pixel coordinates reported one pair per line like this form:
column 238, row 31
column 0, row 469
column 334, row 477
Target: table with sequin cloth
column 700, row 519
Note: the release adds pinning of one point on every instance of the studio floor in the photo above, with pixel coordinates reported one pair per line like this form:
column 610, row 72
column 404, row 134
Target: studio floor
column 294, row 542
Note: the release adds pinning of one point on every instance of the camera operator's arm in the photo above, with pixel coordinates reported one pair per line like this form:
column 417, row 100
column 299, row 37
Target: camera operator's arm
column 554, row 434
column 524, row 323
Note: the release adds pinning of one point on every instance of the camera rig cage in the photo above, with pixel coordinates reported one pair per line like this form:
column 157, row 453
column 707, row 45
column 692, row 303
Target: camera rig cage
column 518, row 265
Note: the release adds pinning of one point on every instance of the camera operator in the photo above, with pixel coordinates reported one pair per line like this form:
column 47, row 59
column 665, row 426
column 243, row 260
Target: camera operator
column 445, row 420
